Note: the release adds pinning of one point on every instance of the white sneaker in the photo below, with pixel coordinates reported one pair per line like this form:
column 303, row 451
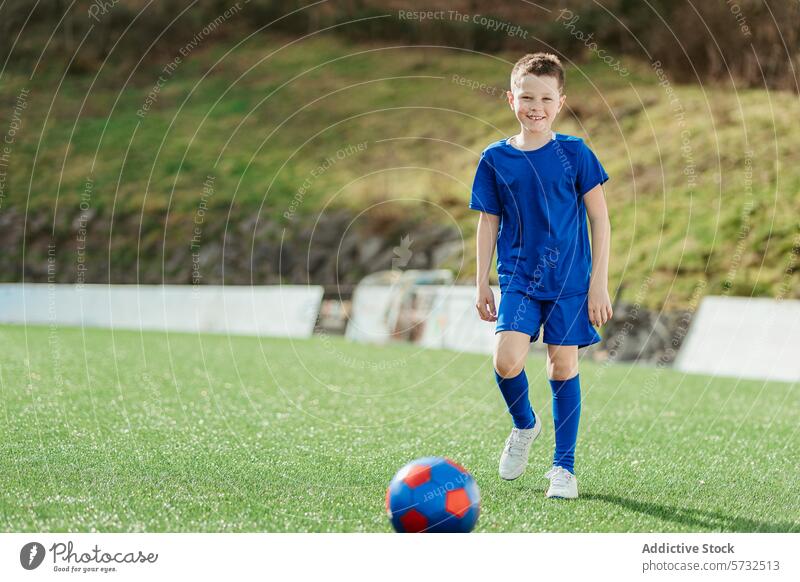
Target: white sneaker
column 515, row 454
column 563, row 484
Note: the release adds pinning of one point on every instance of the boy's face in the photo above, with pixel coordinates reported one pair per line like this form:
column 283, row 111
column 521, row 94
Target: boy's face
column 536, row 102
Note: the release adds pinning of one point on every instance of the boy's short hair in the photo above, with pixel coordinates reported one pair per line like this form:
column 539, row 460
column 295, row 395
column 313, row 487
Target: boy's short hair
column 540, row 64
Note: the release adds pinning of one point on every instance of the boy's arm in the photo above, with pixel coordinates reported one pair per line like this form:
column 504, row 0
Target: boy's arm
column 599, row 301
column 488, row 225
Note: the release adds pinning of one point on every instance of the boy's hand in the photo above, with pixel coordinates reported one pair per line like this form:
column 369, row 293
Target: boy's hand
column 599, row 304
column 485, row 303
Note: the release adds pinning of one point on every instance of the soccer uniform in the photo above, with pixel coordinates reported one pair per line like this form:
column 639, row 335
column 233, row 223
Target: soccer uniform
column 543, row 253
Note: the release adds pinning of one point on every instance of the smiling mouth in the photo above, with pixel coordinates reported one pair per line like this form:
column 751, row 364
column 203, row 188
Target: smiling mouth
column 536, row 117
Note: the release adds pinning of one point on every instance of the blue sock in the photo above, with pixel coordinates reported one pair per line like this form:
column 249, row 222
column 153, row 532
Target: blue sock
column 566, row 414
column 515, row 393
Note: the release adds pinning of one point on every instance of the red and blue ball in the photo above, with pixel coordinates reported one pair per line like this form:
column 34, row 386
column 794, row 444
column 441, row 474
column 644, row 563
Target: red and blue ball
column 434, row 495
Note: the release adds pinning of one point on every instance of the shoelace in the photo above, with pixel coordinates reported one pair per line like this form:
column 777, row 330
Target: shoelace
column 558, row 477
column 516, row 443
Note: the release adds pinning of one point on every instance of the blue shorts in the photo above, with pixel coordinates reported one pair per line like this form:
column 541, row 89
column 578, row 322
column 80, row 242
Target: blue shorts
column 566, row 319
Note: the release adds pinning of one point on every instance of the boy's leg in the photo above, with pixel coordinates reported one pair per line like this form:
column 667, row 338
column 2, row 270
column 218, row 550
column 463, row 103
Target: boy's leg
column 511, row 350
column 518, row 323
column 566, row 329
column 510, row 354
column 562, row 369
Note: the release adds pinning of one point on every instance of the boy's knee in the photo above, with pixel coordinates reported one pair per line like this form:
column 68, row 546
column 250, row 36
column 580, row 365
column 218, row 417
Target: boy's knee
column 507, row 367
column 562, row 362
column 562, row 371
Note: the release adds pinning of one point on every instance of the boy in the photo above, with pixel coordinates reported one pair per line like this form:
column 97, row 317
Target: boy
column 536, row 189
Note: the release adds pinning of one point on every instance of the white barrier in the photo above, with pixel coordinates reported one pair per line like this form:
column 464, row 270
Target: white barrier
column 369, row 319
column 284, row 311
column 444, row 317
column 453, row 322
column 380, row 310
column 744, row 337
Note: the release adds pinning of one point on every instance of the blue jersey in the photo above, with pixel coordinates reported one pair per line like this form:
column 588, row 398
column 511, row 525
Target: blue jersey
column 543, row 242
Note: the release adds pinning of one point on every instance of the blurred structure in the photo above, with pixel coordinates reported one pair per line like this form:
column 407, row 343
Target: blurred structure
column 385, row 305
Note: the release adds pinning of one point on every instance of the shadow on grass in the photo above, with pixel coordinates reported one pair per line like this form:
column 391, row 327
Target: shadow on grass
column 700, row 518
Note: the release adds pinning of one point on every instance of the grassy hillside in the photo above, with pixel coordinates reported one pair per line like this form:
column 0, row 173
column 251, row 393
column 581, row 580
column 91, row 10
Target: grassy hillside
column 263, row 116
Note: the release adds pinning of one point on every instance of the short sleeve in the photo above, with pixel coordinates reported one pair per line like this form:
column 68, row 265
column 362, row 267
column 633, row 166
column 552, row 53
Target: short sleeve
column 485, row 197
column 590, row 171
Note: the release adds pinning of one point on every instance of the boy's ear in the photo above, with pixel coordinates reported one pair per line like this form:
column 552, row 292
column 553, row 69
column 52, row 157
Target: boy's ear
column 510, row 98
column 561, row 101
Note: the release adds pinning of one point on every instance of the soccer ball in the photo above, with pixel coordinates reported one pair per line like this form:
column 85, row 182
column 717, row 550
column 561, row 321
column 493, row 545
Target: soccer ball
column 433, row 494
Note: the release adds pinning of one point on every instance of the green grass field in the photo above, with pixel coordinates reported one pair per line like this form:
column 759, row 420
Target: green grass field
column 122, row 431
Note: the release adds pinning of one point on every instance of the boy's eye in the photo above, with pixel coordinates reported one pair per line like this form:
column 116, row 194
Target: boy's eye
column 547, row 99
